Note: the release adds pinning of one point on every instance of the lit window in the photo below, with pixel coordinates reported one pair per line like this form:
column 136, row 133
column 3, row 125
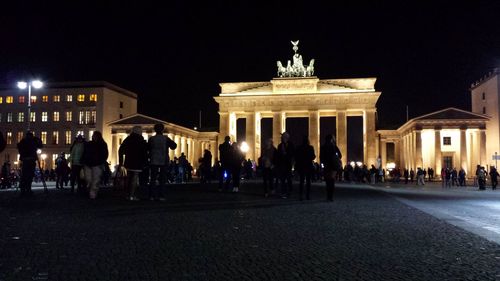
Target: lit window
column 93, row 117
column 87, row 117
column 81, row 116
column 68, row 137
column 90, row 134
column 9, row 117
column 33, row 99
column 32, row 116
column 43, row 137
column 20, row 99
column 80, row 133
column 81, row 98
column 9, row 99
column 45, row 116
column 45, row 98
column 69, row 98
column 20, row 117
column 446, row 140
column 9, row 137
column 484, row 110
column 1, row 99
column 57, row 98
column 93, row 97
column 56, row 116
column 19, row 136
column 69, row 116
column 55, row 137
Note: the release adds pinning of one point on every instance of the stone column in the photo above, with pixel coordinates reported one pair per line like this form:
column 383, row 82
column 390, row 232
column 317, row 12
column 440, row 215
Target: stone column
column 342, row 134
column 177, row 151
column 223, row 124
column 196, row 153
column 189, row 149
column 314, row 131
column 369, row 135
column 418, row 149
column 114, row 150
column 383, row 153
column 183, row 145
column 258, row 136
column 232, row 127
column 437, row 151
column 463, row 149
column 213, row 149
column 279, row 126
column 250, row 134
column 482, row 147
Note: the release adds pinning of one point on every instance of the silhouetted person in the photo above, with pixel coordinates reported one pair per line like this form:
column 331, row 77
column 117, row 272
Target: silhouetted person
column 134, row 148
column 28, row 147
column 304, row 156
column 267, row 164
column 76, row 161
column 493, row 177
column 237, row 159
column 94, row 158
column 158, row 146
column 206, row 165
column 225, row 163
column 62, row 170
column 331, row 157
column 284, row 163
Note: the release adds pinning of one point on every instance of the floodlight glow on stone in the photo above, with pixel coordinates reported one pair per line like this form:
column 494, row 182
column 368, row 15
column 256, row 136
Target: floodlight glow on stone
column 244, row 147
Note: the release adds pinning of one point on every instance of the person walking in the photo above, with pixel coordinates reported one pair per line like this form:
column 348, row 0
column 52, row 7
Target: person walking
column 158, row 146
column 27, row 148
column 76, row 161
column 94, row 158
column 331, row 157
column 134, row 149
column 225, row 163
column 493, row 177
column 267, row 163
column 284, row 164
column 304, row 156
column 62, row 170
column 237, row 159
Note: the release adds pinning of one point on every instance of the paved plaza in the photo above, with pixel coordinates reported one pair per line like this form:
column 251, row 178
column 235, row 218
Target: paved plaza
column 382, row 232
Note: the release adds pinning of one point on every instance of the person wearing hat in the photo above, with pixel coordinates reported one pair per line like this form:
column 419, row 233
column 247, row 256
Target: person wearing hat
column 134, row 149
column 75, row 160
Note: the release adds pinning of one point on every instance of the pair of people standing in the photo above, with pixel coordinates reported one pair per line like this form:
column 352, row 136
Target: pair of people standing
column 136, row 152
column 231, row 159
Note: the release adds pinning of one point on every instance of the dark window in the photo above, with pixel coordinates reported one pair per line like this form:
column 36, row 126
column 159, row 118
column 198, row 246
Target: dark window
column 484, row 110
column 446, row 140
column 484, row 96
column 121, row 116
column 121, row 104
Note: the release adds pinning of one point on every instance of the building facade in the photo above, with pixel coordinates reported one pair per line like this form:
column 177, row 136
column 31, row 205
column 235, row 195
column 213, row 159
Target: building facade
column 60, row 112
column 190, row 142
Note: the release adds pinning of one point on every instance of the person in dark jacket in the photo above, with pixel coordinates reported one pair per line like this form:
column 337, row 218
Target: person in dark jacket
column 330, row 157
column 304, row 156
column 284, row 163
column 205, row 166
column 134, row 148
column 62, row 170
column 225, row 163
column 94, row 158
column 28, row 147
column 237, row 158
column 267, row 165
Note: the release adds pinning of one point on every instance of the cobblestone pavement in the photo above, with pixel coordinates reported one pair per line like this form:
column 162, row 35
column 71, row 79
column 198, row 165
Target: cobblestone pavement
column 200, row 234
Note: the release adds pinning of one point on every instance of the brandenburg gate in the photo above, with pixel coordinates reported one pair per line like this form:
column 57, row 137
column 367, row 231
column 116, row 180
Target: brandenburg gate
column 298, row 93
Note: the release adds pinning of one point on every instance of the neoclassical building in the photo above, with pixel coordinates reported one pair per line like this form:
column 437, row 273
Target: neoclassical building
column 449, row 137
column 189, row 141
column 309, row 97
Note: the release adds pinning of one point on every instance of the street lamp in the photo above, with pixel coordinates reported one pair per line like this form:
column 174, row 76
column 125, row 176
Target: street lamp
column 37, row 84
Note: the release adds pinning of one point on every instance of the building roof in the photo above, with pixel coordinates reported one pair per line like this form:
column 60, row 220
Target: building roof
column 451, row 113
column 137, row 119
column 81, row 84
column 485, row 78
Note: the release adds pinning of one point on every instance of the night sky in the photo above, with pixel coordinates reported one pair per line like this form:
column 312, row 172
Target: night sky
column 424, row 55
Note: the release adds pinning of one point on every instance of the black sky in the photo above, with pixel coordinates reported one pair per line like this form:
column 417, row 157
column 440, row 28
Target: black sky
column 424, row 55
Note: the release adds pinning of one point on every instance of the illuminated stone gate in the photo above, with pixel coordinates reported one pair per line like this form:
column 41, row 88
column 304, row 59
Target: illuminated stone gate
column 309, row 97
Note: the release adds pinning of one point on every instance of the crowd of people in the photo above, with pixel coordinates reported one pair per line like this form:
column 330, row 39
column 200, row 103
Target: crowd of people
column 147, row 163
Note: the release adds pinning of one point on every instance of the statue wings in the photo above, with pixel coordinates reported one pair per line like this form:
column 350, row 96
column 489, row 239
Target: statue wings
column 295, row 43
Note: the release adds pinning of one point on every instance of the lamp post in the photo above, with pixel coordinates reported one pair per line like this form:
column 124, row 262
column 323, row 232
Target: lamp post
column 37, row 84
